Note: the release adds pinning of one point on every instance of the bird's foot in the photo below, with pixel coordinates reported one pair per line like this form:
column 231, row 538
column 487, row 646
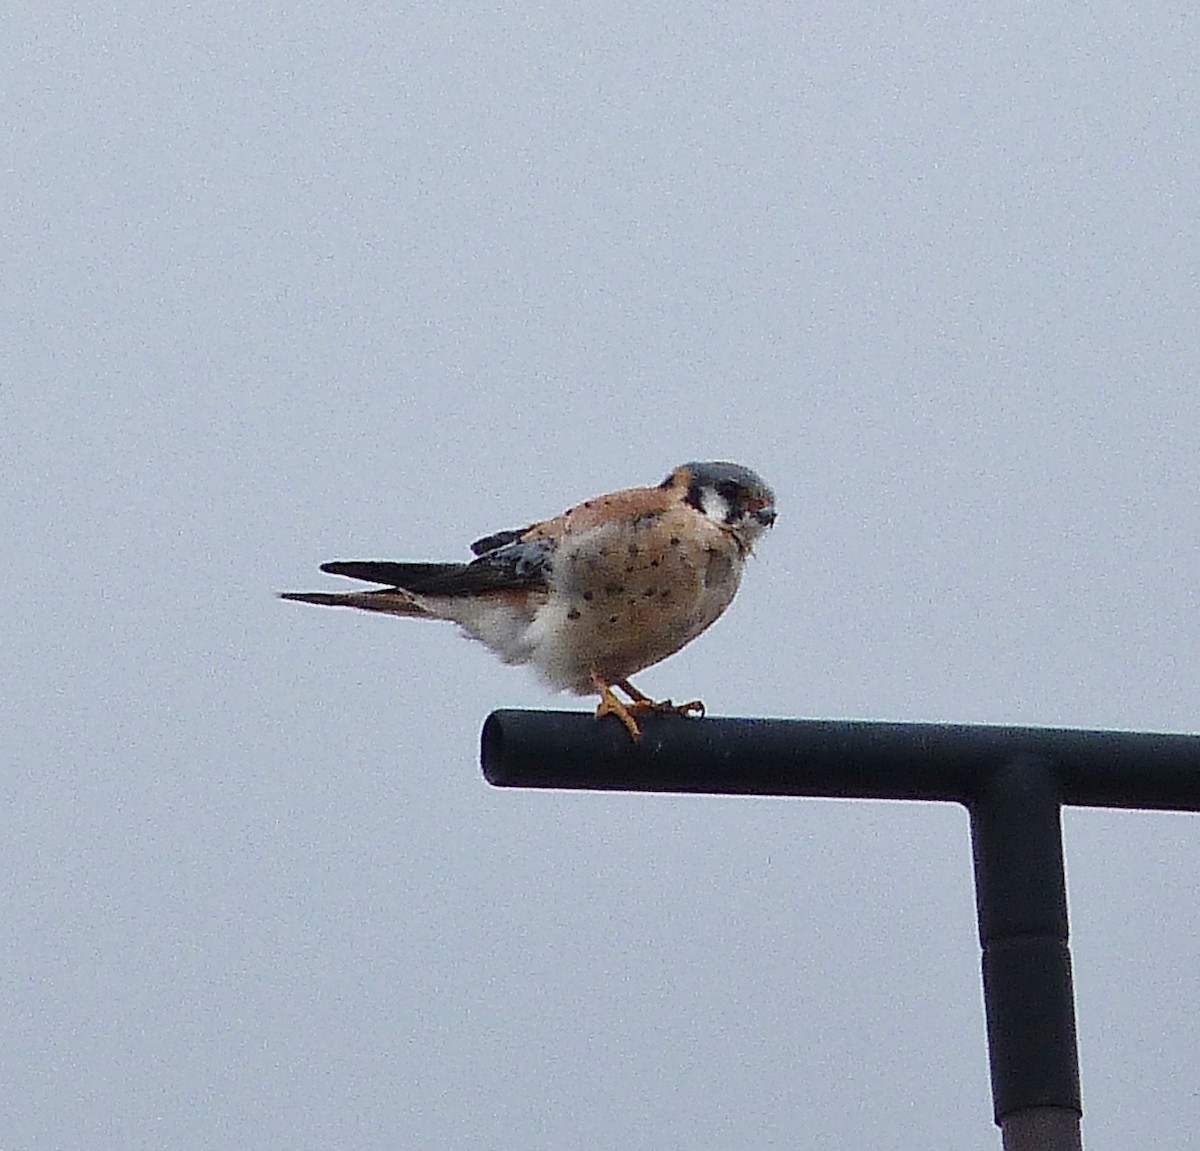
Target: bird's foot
column 610, row 704
column 666, row 707
column 642, row 702
column 639, row 704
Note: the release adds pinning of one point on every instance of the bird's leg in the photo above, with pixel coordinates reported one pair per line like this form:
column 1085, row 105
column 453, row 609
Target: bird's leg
column 642, row 702
column 610, row 704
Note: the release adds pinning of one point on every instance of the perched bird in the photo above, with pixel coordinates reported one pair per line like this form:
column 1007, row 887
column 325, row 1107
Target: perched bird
column 596, row 594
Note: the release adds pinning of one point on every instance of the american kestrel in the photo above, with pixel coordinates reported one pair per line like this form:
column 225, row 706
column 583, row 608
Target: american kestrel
column 594, row 595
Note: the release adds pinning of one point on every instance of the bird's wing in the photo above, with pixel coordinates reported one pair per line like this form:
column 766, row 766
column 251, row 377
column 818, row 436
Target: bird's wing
column 524, row 565
column 498, row 540
column 631, row 503
column 409, row 576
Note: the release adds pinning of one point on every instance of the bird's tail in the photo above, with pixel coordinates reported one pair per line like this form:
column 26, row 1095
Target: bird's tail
column 393, row 601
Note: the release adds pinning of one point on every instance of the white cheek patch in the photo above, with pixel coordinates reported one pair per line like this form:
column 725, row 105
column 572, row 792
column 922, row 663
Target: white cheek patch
column 715, row 505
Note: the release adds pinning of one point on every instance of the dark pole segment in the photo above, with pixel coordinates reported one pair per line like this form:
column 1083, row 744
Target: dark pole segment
column 834, row 758
column 568, row 749
column 1042, row 1129
column 1020, row 893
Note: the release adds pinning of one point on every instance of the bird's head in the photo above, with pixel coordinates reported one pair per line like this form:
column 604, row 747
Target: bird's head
column 733, row 496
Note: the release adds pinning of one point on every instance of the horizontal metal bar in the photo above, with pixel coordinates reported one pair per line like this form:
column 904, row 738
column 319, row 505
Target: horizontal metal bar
column 834, row 758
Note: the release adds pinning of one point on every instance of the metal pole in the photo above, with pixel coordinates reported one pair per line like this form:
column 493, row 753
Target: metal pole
column 1041, row 1129
column 1013, row 781
column 1021, row 898
column 846, row 759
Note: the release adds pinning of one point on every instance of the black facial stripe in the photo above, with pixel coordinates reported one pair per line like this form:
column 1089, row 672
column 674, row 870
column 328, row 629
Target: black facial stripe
column 695, row 495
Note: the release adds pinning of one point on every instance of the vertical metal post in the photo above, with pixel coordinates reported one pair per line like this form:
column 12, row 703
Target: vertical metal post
column 1021, row 897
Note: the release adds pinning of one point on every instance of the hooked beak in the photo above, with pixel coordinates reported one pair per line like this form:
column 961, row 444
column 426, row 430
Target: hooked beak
column 765, row 515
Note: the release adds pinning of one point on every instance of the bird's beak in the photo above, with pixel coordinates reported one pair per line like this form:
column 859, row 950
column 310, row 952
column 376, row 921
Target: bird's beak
column 765, row 515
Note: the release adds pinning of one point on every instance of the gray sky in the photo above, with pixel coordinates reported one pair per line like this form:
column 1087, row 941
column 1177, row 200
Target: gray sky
column 285, row 285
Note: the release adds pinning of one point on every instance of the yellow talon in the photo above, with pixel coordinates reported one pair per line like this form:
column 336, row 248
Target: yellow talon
column 642, row 702
column 610, row 704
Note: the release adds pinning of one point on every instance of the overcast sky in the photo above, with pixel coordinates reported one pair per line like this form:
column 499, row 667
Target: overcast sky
column 284, row 284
